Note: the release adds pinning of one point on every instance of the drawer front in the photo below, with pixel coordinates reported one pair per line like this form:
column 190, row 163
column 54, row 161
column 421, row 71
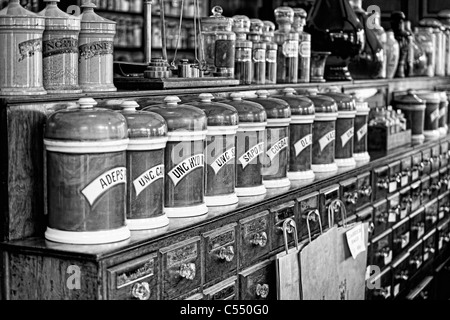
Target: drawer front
column 393, row 203
column 401, row 237
column 417, row 224
column 426, row 190
column 435, row 185
column 400, row 276
column 443, row 236
column 254, row 237
column 326, row 197
column 436, row 158
column 405, row 202
column 135, row 279
column 416, row 196
column 395, row 176
column 429, row 246
column 444, row 154
column 278, row 215
column 380, row 286
column 381, row 182
column 258, row 282
column 424, row 291
column 366, row 215
column 415, row 258
column 364, row 188
column 431, row 215
column 427, row 161
column 380, row 217
column 306, row 206
column 225, row 290
column 444, row 206
column 444, row 180
column 349, row 192
column 406, row 165
column 181, row 265
column 381, row 250
column 417, row 166
column 220, row 252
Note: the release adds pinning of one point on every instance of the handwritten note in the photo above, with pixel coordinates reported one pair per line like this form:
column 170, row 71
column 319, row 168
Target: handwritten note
column 355, row 240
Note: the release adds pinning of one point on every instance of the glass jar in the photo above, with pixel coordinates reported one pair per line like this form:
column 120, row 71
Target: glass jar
column 219, row 43
column 432, row 113
column 304, row 45
column 418, row 56
column 443, row 109
column 444, row 18
column 440, row 45
column 241, row 26
column 414, row 110
column 425, row 38
column 243, row 63
column 259, row 51
column 392, row 55
column 271, row 62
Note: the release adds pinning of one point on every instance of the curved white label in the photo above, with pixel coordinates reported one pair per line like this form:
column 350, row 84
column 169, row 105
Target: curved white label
column 251, row 154
column 185, row 167
column 301, row 144
column 434, row 115
column 326, row 139
column 361, row 132
column 147, row 178
column 223, row 159
column 290, row 48
column 103, row 183
column 277, row 147
column 347, row 136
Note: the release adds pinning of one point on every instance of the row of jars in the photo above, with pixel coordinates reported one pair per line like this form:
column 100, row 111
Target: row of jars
column 53, row 52
column 135, row 169
column 121, row 5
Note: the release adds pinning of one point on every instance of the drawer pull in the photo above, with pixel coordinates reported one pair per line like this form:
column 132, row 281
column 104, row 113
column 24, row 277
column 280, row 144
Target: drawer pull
column 418, row 226
column 187, row 271
column 416, row 262
column 436, row 186
column 402, row 276
column 366, row 191
column 371, row 227
column 429, row 249
column 382, row 292
column 446, row 209
column 446, row 238
column 351, row 197
column 423, row 295
column 259, row 239
column 381, row 219
column 226, row 253
column 141, row 290
column 383, row 184
column 384, row 252
column 403, row 239
column 262, row 290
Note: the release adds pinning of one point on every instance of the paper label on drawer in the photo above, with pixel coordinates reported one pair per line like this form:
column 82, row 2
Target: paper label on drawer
column 326, row 139
column 302, row 144
column 355, row 240
column 178, row 256
column 346, row 136
column 277, row 147
column 388, row 259
column 396, row 289
column 392, row 217
column 392, row 186
column 361, row 132
column 415, row 175
column 434, row 115
column 405, row 239
column 404, row 181
column 426, row 256
column 223, row 159
column 440, row 243
column 103, row 183
column 251, row 154
column 147, row 178
column 185, row 167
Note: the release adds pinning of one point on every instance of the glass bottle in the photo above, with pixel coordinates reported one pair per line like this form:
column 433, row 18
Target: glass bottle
column 439, row 44
column 271, row 52
column 243, row 56
column 392, row 54
column 401, row 35
column 380, row 33
column 304, row 45
column 287, row 41
column 444, row 18
column 426, row 40
column 259, row 51
column 417, row 56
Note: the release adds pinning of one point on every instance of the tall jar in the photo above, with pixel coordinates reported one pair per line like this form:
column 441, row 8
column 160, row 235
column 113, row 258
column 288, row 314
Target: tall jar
column 271, row 52
column 360, row 137
column 21, row 34
column 324, row 133
column 413, row 108
column 96, row 48
column 304, row 45
column 60, row 50
column 444, row 18
column 432, row 113
column 425, row 38
column 147, row 132
column 184, row 186
column 443, row 110
column 287, row 41
column 219, row 43
column 345, row 124
column 300, row 135
column 275, row 166
column 380, row 33
column 250, row 146
column 392, row 54
column 86, row 175
column 259, row 51
column 243, row 63
column 222, row 124
column 440, row 45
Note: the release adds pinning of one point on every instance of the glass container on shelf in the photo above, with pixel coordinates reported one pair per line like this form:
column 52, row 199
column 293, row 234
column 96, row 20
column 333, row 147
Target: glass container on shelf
column 392, row 54
column 432, row 113
column 381, row 35
column 271, row 52
column 444, row 18
column 440, row 45
column 418, row 56
column 219, row 43
column 404, row 40
column 304, row 45
column 425, row 39
column 259, row 51
column 243, row 55
column 361, row 154
column 413, row 108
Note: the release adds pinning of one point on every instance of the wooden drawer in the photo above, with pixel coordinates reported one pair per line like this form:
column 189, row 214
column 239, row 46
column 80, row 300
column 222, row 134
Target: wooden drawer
column 400, row 237
column 405, row 202
column 381, row 182
column 181, row 263
column 350, row 194
column 435, row 185
column 444, row 206
column 423, row 291
column 429, row 246
column 444, row 180
column 225, row 290
column 400, row 275
column 425, row 185
column 278, row 214
column 417, row 166
column 327, row 195
column 406, row 168
column 258, row 282
column 306, row 205
column 415, row 257
column 444, row 154
column 220, row 252
column 381, row 249
column 380, row 217
column 393, row 207
column 364, row 188
column 417, row 224
column 427, row 161
column 416, row 195
column 395, row 176
column 443, row 236
column 135, row 279
column 431, row 215
column 254, row 232
column 436, row 158
column 380, row 286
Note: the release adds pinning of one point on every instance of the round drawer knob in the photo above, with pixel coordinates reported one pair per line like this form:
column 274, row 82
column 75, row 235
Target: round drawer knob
column 141, row 290
column 226, row 253
column 187, row 271
column 262, row 290
column 259, row 239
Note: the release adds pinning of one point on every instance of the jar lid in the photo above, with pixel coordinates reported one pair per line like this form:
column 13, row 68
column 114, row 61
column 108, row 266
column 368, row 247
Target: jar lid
column 284, row 15
column 248, row 111
column 244, row 44
column 300, row 105
column 58, row 19
column 241, row 24
column 409, row 98
column 143, row 124
column 429, row 96
column 216, row 20
column 256, row 26
column 444, row 14
column 181, row 117
column 343, row 101
column 86, row 123
column 218, row 114
column 275, row 108
column 430, row 22
column 323, row 104
column 92, row 22
column 269, row 28
column 16, row 16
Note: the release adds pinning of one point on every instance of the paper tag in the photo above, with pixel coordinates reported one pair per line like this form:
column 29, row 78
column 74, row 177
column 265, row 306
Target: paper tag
column 415, row 175
column 442, row 112
column 368, row 269
column 251, row 154
column 302, row 144
column 355, row 240
column 185, row 167
column 326, row 139
column 406, row 241
column 403, row 213
column 392, row 217
column 277, row 147
column 434, row 115
column 392, row 186
column 388, row 290
column 361, row 132
column 388, row 259
column 147, row 178
column 396, row 289
column 404, row 181
column 223, row 159
column 420, row 232
column 440, row 243
column 426, row 255
column 103, row 183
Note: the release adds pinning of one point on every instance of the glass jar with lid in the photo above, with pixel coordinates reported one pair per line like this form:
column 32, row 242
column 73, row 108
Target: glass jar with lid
column 413, row 108
column 431, row 126
column 271, row 52
column 219, row 43
column 304, row 45
column 440, row 43
column 259, row 51
column 425, row 38
column 444, row 18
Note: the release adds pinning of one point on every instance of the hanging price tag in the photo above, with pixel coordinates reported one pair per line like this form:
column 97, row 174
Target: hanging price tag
column 355, row 240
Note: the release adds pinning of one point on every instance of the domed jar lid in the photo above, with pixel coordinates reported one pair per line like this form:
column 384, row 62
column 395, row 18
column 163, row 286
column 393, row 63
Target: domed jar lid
column 302, row 108
column 15, row 16
column 345, row 103
column 216, row 22
column 431, row 22
column 93, row 23
column 221, row 118
column 251, row 114
column 269, row 28
column 325, row 107
column 241, row 24
column 410, row 98
column 184, row 121
column 58, row 19
column 278, row 111
column 146, row 130
column 429, row 96
column 256, row 26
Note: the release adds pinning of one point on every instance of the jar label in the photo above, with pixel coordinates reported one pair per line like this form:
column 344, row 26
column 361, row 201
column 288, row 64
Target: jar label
column 103, row 183
column 277, row 147
column 361, row 132
column 251, row 154
column 290, row 49
column 147, row 178
column 59, row 46
column 244, row 55
column 223, row 159
column 302, row 144
column 97, row 48
column 29, row 48
column 185, row 167
column 304, row 49
column 259, row 55
column 347, row 136
column 434, row 115
column 326, row 139
column 271, row 56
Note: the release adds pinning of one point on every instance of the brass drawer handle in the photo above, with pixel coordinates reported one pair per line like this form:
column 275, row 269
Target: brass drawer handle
column 262, row 290
column 416, row 262
column 383, row 184
column 384, row 252
column 382, row 292
column 418, row 226
column 259, row 239
column 226, row 253
column 429, row 249
column 351, row 197
column 402, row 239
column 366, row 191
column 141, row 290
column 402, row 276
column 187, row 271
